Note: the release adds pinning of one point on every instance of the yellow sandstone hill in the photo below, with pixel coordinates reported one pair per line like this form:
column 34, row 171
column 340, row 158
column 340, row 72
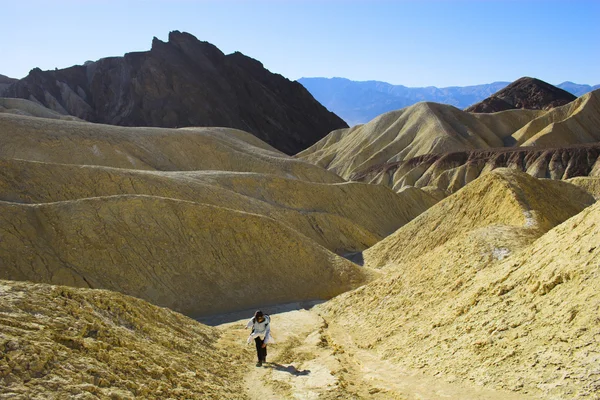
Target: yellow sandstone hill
column 192, row 219
column 501, row 197
column 162, row 149
column 345, row 217
column 573, row 123
column 401, row 148
column 190, row 257
column 59, row 342
column 491, row 305
column 420, row 129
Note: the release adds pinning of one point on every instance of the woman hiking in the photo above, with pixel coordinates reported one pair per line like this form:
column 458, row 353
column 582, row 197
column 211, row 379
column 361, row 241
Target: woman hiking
column 261, row 333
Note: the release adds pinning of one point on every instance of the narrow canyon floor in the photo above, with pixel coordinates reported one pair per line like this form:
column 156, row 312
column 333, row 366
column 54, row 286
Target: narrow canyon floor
column 315, row 359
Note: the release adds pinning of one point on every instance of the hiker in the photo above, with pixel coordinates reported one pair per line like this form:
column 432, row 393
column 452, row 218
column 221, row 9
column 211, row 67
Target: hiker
column 261, row 333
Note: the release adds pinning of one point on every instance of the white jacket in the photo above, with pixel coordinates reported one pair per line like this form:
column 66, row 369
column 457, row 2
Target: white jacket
column 260, row 329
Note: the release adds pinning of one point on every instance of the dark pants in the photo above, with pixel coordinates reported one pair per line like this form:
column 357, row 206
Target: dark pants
column 261, row 352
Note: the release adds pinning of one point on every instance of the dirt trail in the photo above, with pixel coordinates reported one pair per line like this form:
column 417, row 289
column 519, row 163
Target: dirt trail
column 313, row 359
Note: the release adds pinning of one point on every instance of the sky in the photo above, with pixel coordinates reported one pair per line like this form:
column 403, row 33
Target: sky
column 413, row 43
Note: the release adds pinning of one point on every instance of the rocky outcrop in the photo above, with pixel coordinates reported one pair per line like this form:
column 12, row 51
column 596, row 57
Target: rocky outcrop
column 528, row 93
column 60, row 342
column 451, row 171
column 184, row 82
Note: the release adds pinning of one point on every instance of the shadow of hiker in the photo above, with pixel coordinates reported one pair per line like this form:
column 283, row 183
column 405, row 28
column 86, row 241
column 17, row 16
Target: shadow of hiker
column 289, row 369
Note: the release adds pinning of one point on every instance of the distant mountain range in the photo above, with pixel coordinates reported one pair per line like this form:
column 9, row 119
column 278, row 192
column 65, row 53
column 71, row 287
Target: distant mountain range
column 360, row 102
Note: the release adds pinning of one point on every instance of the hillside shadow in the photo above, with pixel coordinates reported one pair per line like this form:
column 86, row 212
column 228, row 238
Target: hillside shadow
column 356, row 258
column 218, row 319
column 290, row 369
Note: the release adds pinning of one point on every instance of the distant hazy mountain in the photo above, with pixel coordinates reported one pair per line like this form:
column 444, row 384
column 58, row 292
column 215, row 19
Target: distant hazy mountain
column 577, row 89
column 360, row 102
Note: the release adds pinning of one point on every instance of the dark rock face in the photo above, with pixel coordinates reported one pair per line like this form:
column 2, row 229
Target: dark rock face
column 5, row 82
column 184, row 82
column 465, row 166
column 528, row 93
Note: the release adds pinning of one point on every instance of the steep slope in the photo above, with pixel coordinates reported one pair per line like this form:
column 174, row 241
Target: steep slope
column 5, row 82
column 501, row 197
column 60, row 342
column 451, row 171
column 574, row 123
column 525, row 322
column 400, row 135
column 529, row 93
column 184, row 82
column 193, row 258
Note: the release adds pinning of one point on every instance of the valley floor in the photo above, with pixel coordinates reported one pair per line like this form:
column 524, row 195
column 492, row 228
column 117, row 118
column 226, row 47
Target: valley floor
column 314, row 359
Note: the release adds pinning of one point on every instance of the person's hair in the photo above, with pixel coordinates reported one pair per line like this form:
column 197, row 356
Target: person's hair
column 258, row 314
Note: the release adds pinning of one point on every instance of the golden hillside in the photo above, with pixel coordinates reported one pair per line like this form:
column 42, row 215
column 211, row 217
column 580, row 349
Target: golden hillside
column 492, row 306
column 190, row 257
column 343, row 217
column 59, row 342
column 573, row 123
column 501, row 197
column 184, row 218
column 400, row 148
column 162, row 149
column 29, row 108
column 413, row 131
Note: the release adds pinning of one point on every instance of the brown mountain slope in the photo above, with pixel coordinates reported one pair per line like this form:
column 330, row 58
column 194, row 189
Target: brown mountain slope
column 184, row 82
column 523, row 322
column 393, row 153
column 529, row 93
column 60, row 342
column 501, row 197
column 5, row 82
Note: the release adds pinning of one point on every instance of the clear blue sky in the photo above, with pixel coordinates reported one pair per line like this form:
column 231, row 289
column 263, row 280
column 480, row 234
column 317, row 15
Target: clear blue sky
column 414, row 43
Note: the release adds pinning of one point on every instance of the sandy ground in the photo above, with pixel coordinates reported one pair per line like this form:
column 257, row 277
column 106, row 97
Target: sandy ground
column 313, row 359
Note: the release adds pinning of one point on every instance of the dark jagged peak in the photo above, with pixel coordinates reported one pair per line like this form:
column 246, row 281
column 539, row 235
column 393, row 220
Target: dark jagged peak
column 527, row 93
column 184, row 82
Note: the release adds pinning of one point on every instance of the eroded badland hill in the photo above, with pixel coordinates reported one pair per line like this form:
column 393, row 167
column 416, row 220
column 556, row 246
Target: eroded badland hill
column 478, row 275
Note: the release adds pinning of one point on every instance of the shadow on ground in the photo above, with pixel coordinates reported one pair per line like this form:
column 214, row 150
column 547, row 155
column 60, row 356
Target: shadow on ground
column 290, row 369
